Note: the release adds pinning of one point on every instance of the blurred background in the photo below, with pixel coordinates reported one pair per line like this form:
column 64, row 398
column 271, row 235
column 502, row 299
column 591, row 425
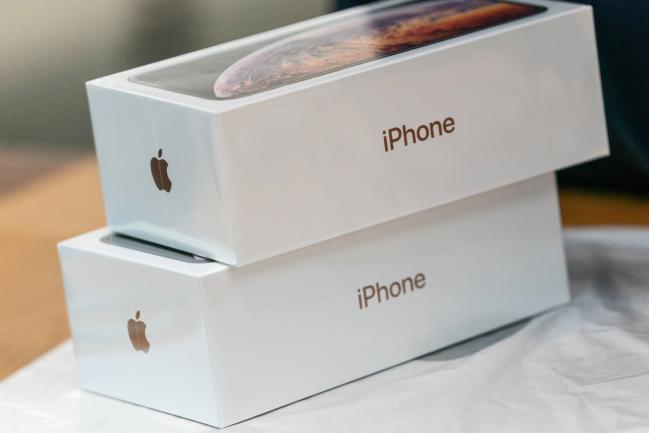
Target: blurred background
column 52, row 48
column 49, row 186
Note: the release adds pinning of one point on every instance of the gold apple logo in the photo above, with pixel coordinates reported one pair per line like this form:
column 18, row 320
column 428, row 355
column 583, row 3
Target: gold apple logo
column 159, row 172
column 136, row 332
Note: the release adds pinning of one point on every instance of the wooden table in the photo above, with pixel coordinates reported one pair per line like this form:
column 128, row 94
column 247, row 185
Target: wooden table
column 67, row 202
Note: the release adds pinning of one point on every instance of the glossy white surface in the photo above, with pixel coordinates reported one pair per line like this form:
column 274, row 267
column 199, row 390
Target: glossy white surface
column 270, row 173
column 230, row 343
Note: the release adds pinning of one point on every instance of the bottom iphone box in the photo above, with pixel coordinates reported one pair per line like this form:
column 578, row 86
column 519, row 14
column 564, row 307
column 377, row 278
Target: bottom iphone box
column 217, row 344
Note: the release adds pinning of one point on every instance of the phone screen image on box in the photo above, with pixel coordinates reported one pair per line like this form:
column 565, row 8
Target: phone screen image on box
column 349, row 41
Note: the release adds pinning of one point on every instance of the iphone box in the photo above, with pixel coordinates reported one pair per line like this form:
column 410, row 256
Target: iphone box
column 220, row 344
column 278, row 141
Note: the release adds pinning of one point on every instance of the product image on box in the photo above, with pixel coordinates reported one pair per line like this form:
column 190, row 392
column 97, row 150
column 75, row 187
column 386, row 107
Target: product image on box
column 378, row 33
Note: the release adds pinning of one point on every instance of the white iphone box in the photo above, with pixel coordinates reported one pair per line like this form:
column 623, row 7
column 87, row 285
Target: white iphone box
column 220, row 344
column 274, row 142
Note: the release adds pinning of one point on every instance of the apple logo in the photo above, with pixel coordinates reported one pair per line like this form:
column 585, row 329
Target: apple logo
column 159, row 172
column 136, row 330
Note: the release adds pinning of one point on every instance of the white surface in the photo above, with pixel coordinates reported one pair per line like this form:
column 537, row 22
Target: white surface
column 273, row 172
column 231, row 343
column 580, row 368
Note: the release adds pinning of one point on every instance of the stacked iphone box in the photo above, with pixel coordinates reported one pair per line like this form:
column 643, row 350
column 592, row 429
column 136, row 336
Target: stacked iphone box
column 298, row 209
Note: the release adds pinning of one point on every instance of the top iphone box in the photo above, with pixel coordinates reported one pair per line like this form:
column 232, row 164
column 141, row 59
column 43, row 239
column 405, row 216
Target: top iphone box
column 267, row 144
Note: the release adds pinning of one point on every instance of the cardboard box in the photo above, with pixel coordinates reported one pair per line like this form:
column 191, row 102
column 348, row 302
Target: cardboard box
column 224, row 344
column 274, row 142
